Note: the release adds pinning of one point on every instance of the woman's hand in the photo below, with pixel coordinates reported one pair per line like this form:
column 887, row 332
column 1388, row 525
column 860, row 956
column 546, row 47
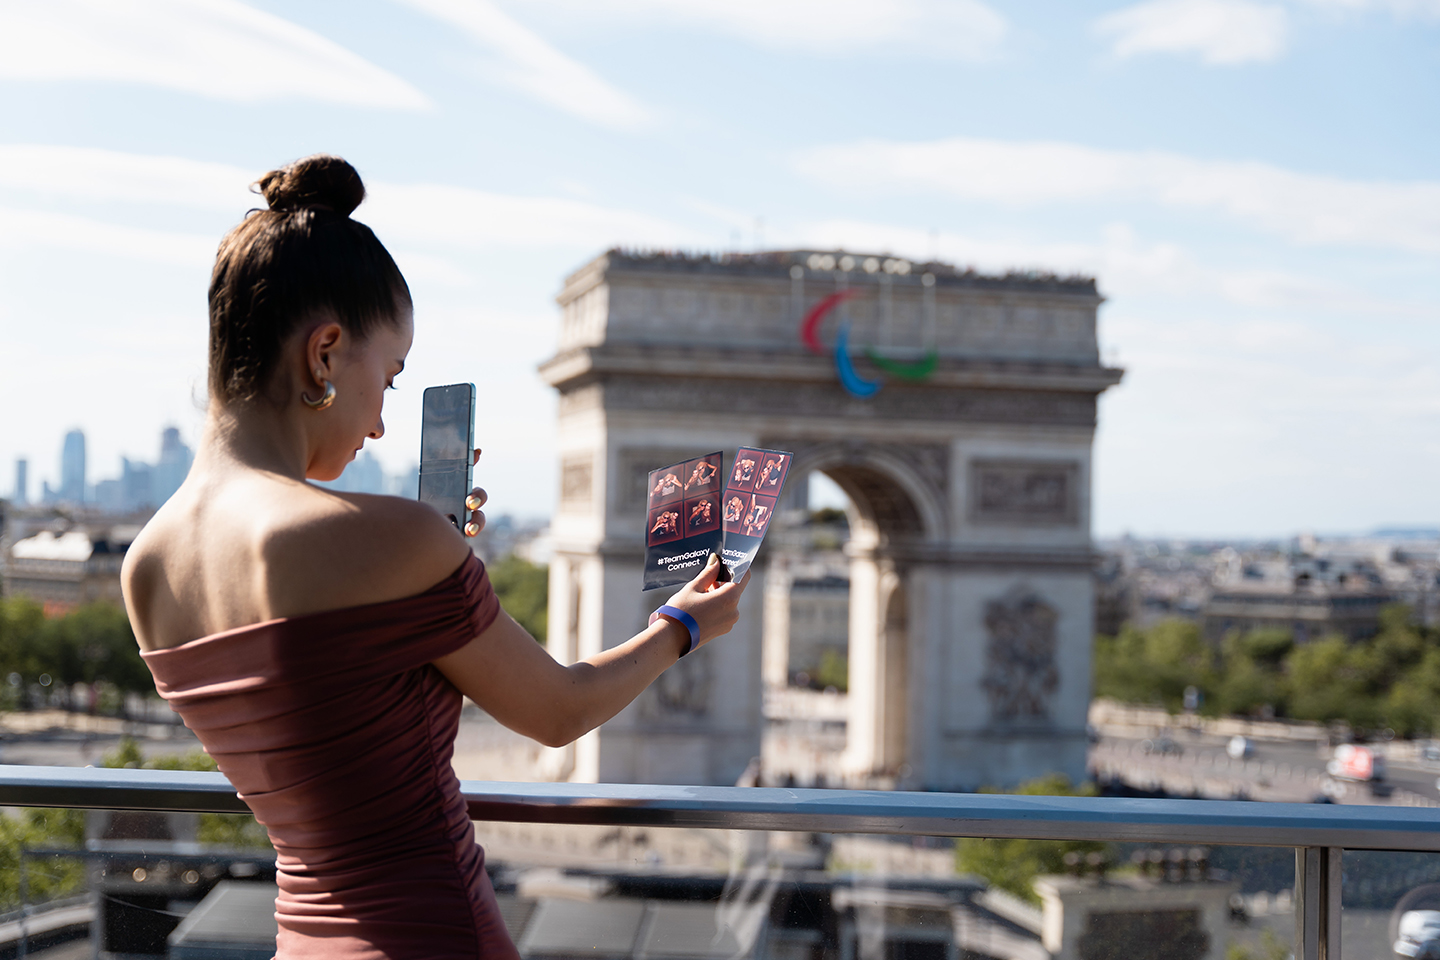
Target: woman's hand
column 473, row 503
column 715, row 606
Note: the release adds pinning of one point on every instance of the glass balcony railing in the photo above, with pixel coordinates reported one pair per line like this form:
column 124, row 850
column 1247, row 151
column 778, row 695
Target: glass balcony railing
column 167, row 864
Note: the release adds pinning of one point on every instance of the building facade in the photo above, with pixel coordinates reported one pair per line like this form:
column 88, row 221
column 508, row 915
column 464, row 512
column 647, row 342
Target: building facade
column 72, row 468
column 968, row 462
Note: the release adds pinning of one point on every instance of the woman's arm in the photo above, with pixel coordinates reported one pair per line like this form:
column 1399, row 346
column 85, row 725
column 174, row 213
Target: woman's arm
column 514, row 680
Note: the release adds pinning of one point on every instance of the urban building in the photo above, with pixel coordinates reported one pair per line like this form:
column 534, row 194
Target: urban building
column 969, row 561
column 364, row 474
column 819, row 629
column 1310, row 586
column 173, row 466
column 22, row 482
column 146, row 486
column 1310, row 596
column 1181, row 914
column 72, row 469
column 807, row 612
column 68, row 567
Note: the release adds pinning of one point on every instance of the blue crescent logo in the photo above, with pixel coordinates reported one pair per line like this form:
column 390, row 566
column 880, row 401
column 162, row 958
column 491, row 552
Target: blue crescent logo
column 849, row 379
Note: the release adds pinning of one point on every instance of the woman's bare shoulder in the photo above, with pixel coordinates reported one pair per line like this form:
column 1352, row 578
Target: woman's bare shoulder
column 345, row 549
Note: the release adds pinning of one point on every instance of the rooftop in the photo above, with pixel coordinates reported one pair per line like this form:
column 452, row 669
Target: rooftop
column 828, row 263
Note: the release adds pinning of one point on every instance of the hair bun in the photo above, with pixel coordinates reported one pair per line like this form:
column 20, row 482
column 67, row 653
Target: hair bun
column 319, row 181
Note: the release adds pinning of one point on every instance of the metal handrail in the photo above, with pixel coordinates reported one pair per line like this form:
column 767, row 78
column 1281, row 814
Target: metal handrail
column 1210, row 822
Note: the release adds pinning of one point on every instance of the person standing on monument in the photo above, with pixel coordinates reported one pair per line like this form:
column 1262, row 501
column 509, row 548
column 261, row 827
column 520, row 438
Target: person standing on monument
column 319, row 642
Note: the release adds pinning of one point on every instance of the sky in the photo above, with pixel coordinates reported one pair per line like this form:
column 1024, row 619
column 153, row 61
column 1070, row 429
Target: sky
column 1255, row 184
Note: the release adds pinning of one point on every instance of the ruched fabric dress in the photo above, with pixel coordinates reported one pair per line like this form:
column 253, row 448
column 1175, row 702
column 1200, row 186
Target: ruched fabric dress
column 337, row 732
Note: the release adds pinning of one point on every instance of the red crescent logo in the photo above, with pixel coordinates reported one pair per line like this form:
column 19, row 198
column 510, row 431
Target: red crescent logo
column 816, row 314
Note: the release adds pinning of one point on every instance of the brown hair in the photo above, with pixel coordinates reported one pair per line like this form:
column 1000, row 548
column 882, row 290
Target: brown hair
column 301, row 256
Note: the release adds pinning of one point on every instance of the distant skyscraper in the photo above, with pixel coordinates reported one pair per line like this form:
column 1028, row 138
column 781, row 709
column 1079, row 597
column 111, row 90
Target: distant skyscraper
column 406, row 483
column 72, row 468
column 22, row 482
column 173, row 466
column 364, row 474
column 137, row 484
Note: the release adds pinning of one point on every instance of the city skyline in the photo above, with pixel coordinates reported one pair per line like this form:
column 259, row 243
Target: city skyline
column 1253, row 183
column 142, row 484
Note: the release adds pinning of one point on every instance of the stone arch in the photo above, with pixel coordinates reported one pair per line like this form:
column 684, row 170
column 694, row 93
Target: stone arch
column 897, row 499
column 965, row 483
column 899, row 492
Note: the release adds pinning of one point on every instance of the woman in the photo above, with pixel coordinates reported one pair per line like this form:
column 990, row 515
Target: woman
column 318, row 642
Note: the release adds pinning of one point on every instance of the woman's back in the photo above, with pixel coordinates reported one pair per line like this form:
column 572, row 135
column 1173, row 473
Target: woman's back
column 337, row 732
column 235, row 546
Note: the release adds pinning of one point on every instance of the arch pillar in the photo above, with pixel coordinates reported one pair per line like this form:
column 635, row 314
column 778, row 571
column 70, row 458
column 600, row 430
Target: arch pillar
column 878, row 729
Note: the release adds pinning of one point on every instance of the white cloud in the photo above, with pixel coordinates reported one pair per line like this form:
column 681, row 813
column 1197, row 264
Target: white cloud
column 1403, row 9
column 1218, row 31
column 433, row 215
column 1305, row 208
column 26, row 229
column 113, row 176
column 1125, row 265
column 215, row 48
column 965, row 28
column 420, row 219
column 525, row 61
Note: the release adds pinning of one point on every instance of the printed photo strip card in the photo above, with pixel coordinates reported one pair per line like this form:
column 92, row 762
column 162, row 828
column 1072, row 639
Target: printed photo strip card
column 688, row 517
column 682, row 520
column 752, row 490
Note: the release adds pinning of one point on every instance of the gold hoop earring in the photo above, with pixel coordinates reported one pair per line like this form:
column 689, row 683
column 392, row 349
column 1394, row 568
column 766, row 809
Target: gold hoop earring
column 327, row 398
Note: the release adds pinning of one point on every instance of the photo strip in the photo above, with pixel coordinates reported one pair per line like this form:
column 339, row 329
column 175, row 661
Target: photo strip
column 688, row 516
column 682, row 520
column 752, row 493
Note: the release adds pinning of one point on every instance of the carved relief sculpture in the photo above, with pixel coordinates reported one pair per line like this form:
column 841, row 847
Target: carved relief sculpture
column 575, row 479
column 1020, row 672
column 681, row 692
column 1023, row 492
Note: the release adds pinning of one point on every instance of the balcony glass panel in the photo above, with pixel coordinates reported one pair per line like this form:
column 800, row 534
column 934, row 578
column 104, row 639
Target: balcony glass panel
column 189, row 885
column 1390, row 905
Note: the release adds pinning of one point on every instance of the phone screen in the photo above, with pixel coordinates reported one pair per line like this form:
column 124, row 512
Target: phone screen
column 447, row 449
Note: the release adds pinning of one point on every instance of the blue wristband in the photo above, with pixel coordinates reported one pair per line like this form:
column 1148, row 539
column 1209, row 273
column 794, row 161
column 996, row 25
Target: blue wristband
column 684, row 619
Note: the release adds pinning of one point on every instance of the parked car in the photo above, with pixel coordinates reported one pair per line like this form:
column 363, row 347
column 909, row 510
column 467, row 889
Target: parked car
column 1240, row 748
column 1419, row 935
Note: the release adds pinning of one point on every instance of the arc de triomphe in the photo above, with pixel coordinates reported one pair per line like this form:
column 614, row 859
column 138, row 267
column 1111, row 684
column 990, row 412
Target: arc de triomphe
column 971, row 605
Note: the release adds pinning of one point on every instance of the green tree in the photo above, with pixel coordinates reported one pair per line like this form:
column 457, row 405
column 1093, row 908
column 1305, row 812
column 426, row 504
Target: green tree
column 1012, row 865
column 93, row 644
column 834, row 671
column 46, row 878
column 21, row 622
column 1154, row 665
column 524, row 591
column 1250, row 673
column 1389, row 680
column 1412, row 705
column 1327, row 680
column 96, row 643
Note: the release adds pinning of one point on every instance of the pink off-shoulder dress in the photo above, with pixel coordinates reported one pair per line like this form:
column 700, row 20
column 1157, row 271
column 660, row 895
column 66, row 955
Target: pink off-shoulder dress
column 337, row 732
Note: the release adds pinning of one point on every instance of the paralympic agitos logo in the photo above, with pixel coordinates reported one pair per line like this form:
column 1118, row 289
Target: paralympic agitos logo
column 850, row 379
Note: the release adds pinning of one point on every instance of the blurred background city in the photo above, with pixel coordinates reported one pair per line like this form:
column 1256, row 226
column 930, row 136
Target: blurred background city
column 1113, row 464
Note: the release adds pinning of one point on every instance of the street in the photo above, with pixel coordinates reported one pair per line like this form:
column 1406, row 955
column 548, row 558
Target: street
column 1186, row 762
